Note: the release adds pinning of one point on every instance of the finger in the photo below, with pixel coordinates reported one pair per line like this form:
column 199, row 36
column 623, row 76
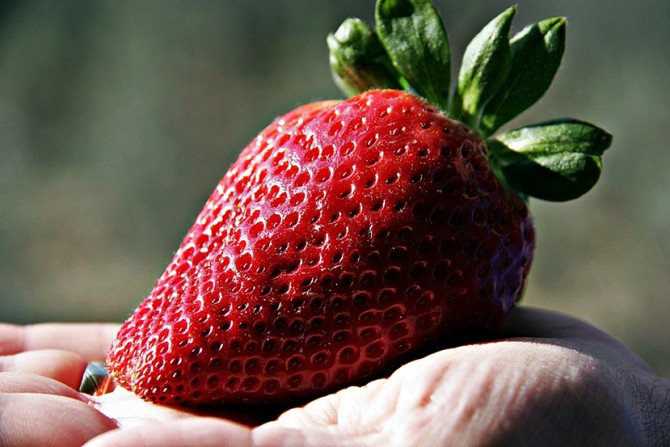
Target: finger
column 190, row 432
column 39, row 419
column 129, row 410
column 63, row 366
column 90, row 340
column 13, row 382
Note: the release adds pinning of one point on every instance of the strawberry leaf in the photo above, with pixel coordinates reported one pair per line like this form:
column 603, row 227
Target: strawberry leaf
column 486, row 63
column 556, row 160
column 536, row 55
column 417, row 43
column 358, row 60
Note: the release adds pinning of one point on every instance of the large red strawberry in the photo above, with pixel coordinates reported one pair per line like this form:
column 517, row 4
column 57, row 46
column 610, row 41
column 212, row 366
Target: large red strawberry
column 351, row 234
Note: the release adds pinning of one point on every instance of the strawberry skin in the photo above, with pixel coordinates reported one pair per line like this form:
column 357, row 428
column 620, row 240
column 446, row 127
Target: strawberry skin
column 347, row 236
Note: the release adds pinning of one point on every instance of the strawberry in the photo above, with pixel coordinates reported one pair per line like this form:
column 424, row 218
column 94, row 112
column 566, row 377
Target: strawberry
column 350, row 235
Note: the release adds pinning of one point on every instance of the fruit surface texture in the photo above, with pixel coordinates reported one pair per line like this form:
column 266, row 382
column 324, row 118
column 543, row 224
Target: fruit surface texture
column 346, row 234
column 353, row 235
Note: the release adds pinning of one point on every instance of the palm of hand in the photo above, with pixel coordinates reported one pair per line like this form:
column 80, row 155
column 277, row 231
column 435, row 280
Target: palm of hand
column 557, row 381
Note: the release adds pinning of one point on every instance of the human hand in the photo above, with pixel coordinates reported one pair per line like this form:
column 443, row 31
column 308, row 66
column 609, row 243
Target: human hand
column 41, row 367
column 550, row 380
column 556, row 381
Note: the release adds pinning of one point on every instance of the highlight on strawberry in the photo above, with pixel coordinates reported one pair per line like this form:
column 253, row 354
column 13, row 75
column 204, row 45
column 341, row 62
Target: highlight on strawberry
column 351, row 235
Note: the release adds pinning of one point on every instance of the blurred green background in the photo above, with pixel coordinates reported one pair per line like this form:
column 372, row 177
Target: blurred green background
column 118, row 118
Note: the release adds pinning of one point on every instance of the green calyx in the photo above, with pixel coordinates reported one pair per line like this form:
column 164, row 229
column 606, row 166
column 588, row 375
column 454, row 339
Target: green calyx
column 500, row 77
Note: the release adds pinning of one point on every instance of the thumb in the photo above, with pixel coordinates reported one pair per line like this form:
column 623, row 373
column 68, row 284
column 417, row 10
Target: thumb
column 214, row 432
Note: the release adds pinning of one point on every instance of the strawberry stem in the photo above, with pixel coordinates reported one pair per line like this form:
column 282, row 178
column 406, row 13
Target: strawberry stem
column 498, row 80
column 486, row 63
column 557, row 160
column 416, row 41
column 358, row 60
column 536, row 55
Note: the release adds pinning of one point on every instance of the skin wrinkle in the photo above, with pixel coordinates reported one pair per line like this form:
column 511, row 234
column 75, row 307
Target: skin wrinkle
column 353, row 407
column 391, row 407
column 417, row 391
column 465, row 407
column 362, row 422
column 435, row 395
column 400, row 395
column 414, row 431
column 467, row 416
column 470, row 422
column 353, row 418
column 505, row 399
column 320, row 411
column 325, row 413
column 303, row 417
column 386, row 402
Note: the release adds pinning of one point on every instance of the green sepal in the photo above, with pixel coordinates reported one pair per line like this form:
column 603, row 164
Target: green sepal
column 417, row 43
column 486, row 63
column 556, row 160
column 536, row 55
column 358, row 61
